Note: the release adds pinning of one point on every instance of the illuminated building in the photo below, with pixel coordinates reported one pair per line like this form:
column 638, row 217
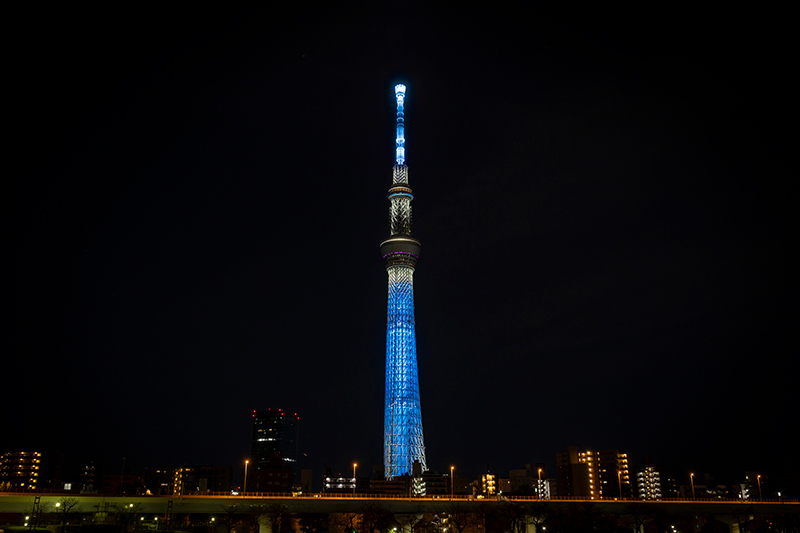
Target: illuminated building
column 187, row 479
column 489, row 484
column 402, row 439
column 273, row 453
column 596, row 475
column 89, row 478
column 573, row 475
column 544, row 489
column 648, row 483
column 432, row 483
column 429, row 482
column 338, row 483
column 159, row 481
column 201, row 478
column 755, row 486
column 274, row 439
column 529, row 481
column 20, row 470
column 343, row 484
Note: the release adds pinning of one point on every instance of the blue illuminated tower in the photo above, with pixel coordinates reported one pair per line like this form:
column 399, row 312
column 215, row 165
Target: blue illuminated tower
column 402, row 434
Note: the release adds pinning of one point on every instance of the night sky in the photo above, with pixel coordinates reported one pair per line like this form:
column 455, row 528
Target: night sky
column 197, row 200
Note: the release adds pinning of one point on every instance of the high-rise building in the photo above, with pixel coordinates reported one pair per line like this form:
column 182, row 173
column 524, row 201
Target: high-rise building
column 596, row 475
column 20, row 471
column 31, row 470
column 573, row 475
column 648, row 483
column 275, row 440
column 90, row 478
column 402, row 438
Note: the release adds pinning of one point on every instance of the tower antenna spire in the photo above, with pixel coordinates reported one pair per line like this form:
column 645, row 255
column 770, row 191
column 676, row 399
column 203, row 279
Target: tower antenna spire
column 403, row 444
column 400, row 141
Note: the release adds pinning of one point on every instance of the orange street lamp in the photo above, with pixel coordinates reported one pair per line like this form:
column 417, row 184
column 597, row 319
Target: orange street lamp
column 244, row 489
column 619, row 481
column 354, row 478
column 691, row 478
column 451, row 481
column 758, row 478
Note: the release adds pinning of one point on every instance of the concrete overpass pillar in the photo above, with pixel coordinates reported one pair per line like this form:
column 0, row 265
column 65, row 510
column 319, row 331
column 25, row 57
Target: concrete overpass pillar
column 735, row 523
column 264, row 526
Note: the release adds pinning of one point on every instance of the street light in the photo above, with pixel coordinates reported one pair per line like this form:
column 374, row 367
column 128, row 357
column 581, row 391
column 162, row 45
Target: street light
column 619, row 481
column 354, row 478
column 451, row 481
column 691, row 478
column 758, row 478
column 244, row 489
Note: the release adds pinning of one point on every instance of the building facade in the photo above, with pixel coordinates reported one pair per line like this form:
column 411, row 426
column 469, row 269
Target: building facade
column 273, row 453
column 545, row 489
column 20, row 471
column 274, row 440
column 573, row 474
column 522, row 480
column 648, row 483
column 201, row 478
column 489, row 484
column 597, row 475
column 31, row 470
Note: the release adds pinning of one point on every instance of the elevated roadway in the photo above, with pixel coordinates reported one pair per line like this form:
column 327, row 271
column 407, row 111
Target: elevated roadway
column 11, row 503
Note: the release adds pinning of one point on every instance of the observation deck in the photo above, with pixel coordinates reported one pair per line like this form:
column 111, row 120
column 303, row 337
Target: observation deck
column 400, row 250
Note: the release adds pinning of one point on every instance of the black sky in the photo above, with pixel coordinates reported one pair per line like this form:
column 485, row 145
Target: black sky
column 198, row 197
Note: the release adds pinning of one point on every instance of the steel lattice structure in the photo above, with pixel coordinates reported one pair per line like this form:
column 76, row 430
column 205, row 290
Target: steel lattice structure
column 402, row 441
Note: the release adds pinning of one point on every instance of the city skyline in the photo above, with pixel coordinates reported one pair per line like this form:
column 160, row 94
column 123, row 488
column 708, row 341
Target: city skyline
column 604, row 474
column 603, row 226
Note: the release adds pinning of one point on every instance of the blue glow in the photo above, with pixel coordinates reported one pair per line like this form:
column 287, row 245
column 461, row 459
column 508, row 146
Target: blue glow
column 406, row 194
column 400, row 151
column 403, row 442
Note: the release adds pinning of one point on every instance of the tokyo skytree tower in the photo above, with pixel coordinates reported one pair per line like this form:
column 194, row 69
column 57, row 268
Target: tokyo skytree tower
column 402, row 433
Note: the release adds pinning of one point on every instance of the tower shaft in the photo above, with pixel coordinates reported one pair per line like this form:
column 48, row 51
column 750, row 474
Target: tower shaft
column 403, row 443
